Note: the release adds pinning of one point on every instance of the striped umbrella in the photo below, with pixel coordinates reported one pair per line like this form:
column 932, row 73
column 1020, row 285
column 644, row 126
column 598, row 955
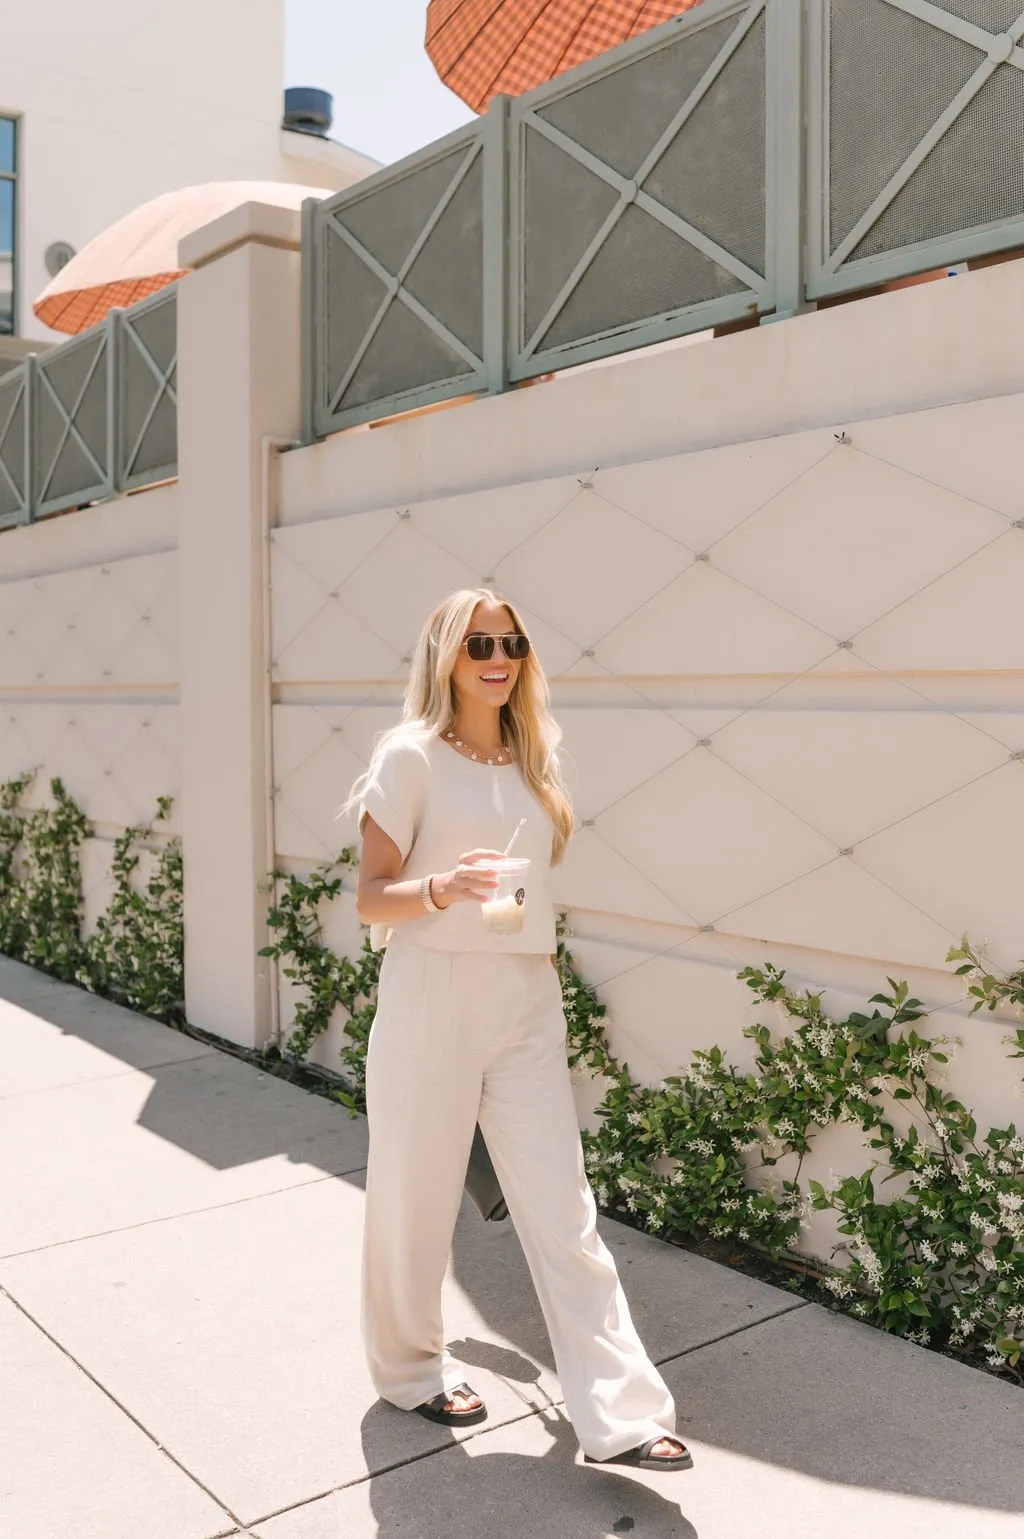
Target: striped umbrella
column 485, row 48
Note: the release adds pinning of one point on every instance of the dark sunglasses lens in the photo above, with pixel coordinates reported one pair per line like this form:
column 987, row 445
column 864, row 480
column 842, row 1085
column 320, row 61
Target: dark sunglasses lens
column 516, row 647
column 480, row 648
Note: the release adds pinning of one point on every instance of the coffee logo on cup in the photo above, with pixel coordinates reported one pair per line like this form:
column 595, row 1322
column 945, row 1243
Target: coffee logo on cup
column 521, row 896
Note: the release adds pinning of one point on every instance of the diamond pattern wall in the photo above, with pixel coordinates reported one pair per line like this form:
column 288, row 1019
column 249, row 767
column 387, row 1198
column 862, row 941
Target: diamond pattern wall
column 89, row 694
column 790, row 675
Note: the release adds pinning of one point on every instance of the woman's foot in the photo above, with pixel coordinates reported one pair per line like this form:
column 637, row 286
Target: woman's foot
column 661, row 1453
column 458, row 1407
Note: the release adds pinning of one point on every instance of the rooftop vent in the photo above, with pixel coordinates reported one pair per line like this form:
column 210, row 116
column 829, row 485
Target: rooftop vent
column 308, row 111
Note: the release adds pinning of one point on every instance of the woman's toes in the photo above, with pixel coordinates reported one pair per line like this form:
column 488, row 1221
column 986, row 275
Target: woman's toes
column 667, row 1448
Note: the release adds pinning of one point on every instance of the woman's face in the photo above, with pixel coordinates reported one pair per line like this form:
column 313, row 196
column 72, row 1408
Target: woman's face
column 491, row 682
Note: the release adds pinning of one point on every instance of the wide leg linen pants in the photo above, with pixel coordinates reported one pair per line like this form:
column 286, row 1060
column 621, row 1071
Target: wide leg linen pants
column 461, row 1037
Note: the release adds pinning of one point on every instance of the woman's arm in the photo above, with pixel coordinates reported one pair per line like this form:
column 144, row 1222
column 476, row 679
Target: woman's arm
column 382, row 899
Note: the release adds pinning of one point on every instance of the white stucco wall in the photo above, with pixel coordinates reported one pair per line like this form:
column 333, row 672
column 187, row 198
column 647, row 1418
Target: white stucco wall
column 775, row 581
column 89, row 667
column 790, row 668
column 118, row 104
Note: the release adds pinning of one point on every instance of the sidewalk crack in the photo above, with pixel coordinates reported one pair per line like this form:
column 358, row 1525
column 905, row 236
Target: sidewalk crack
column 169, row 1218
column 738, row 1330
column 237, row 1523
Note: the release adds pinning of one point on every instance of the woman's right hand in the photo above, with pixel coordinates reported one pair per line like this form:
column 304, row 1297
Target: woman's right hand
column 473, row 880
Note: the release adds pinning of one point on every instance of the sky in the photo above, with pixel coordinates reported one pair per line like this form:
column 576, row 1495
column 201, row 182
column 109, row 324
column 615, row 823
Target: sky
column 369, row 54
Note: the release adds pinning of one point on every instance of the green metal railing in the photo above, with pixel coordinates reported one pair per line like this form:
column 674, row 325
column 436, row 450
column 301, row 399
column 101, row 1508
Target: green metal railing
column 742, row 161
column 92, row 418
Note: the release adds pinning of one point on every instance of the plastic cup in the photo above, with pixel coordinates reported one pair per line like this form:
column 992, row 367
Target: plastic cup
column 504, row 912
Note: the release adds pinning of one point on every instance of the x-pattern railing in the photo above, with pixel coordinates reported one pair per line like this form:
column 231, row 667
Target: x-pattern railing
column 13, row 387
column 631, row 190
column 394, row 283
column 801, row 263
column 999, row 48
column 67, row 415
column 51, row 417
column 128, row 472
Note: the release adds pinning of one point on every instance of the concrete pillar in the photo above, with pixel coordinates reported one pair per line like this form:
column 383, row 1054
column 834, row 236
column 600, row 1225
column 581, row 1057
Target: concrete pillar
column 238, row 390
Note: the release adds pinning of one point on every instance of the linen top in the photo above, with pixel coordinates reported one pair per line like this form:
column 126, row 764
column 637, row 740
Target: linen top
column 436, row 805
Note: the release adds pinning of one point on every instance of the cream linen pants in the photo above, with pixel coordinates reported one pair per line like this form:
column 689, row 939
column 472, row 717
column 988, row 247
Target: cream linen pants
column 461, row 1037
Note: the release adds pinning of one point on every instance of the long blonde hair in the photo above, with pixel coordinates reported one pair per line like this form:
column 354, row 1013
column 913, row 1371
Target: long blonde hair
column 527, row 724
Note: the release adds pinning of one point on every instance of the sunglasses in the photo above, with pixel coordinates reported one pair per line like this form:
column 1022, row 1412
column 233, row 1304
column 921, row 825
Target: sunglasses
column 481, row 648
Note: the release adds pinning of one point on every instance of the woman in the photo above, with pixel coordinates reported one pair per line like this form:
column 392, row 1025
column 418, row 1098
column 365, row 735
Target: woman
column 470, row 1028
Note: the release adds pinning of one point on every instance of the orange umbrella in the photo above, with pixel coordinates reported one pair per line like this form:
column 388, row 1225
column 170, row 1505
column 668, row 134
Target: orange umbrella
column 485, row 48
column 139, row 254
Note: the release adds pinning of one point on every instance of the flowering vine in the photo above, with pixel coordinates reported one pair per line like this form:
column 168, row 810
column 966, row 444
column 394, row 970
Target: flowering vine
column 135, row 954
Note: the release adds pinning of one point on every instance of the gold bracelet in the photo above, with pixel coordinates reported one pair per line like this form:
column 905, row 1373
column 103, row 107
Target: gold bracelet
column 427, row 897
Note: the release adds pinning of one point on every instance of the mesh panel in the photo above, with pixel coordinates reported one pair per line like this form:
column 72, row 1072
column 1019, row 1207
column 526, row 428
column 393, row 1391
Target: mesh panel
column 71, row 474
column 352, row 297
column 12, row 443
column 891, row 77
column 642, row 271
column 993, row 15
column 69, row 470
column 390, row 220
column 713, row 173
column 404, row 355
column 447, row 276
column 157, row 330
column 620, row 117
column 67, row 368
column 963, row 182
column 563, row 208
column 158, row 448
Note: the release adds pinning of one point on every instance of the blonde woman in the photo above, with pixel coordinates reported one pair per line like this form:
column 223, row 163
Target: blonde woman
column 470, row 1028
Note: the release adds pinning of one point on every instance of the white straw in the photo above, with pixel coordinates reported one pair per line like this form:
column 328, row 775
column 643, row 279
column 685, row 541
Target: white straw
column 515, row 836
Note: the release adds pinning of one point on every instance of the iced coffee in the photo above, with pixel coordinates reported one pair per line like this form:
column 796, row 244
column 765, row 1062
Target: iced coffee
column 504, row 912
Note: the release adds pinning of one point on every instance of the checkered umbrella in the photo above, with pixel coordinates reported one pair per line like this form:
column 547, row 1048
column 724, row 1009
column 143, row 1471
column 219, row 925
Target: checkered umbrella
column 485, row 48
column 139, row 254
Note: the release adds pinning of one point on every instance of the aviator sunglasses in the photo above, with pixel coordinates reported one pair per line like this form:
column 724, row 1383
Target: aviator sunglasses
column 481, row 647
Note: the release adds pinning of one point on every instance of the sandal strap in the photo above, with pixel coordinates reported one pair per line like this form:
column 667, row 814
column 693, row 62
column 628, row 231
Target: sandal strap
column 438, row 1402
column 646, row 1450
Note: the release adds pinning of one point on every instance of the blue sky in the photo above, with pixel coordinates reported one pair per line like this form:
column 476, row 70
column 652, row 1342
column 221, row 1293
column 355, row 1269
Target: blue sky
column 369, row 54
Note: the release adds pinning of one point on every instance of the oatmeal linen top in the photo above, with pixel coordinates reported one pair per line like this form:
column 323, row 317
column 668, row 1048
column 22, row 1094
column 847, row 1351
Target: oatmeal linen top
column 436, row 805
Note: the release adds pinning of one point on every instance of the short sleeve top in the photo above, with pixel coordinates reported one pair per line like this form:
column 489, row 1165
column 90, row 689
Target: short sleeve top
column 435, row 805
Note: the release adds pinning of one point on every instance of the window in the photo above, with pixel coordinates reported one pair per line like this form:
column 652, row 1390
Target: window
column 8, row 242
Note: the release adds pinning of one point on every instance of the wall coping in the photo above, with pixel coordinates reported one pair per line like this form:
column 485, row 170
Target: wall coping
column 262, row 224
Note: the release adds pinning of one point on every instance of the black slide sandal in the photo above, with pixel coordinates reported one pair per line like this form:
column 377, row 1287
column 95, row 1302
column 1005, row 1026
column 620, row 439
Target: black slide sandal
column 642, row 1459
column 434, row 1410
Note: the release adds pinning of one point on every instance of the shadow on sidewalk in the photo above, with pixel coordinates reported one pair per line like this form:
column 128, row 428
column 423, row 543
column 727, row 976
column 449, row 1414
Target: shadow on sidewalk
column 807, row 1391
column 466, row 1489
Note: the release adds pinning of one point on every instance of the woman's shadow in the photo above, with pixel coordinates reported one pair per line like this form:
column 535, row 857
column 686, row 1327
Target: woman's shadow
column 542, row 1492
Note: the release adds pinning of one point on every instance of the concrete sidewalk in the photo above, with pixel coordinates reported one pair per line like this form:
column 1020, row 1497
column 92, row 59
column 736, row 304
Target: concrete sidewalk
column 180, row 1357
